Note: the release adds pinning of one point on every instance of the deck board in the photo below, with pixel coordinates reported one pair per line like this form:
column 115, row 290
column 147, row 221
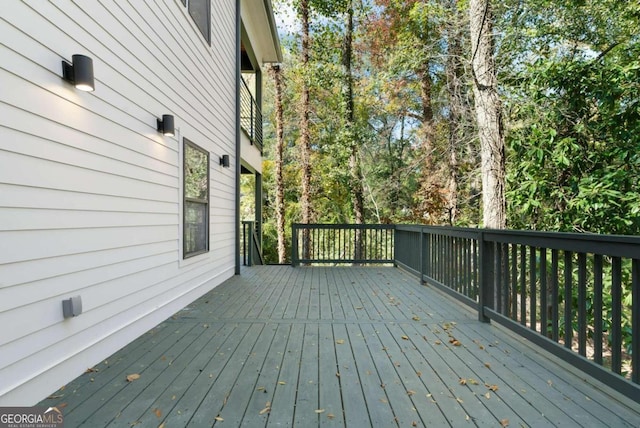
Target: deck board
column 333, row 346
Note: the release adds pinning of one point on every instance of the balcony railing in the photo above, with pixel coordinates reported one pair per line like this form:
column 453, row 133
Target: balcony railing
column 575, row 295
column 250, row 116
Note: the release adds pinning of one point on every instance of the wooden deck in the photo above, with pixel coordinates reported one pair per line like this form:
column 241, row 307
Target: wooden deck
column 356, row 347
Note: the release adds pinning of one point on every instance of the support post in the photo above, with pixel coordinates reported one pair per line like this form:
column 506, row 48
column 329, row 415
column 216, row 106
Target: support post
column 294, row 246
column 422, row 281
column 487, row 275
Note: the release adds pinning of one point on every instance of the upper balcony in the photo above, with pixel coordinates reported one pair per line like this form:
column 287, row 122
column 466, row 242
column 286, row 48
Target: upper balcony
column 260, row 45
column 250, row 115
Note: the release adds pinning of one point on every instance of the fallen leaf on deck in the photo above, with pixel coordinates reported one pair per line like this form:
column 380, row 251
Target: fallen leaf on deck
column 414, row 424
column 416, row 318
column 455, row 342
column 473, row 382
column 504, row 422
column 319, row 410
column 419, row 373
column 410, row 392
column 462, row 381
column 157, row 412
column 219, row 419
column 405, row 337
column 161, row 425
column 132, row 377
column 487, row 395
column 494, row 388
column 459, row 400
column 282, row 382
column 487, row 365
column 260, row 388
column 340, row 341
column 91, row 370
column 437, row 342
column 265, row 410
column 331, row 416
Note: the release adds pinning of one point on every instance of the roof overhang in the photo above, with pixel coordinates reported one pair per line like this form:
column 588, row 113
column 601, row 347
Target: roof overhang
column 260, row 24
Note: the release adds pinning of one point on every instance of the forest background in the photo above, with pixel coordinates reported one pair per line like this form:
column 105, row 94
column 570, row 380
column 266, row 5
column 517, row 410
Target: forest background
column 376, row 121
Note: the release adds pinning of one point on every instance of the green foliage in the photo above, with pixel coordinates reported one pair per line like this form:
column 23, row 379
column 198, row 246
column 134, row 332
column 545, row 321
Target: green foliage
column 573, row 148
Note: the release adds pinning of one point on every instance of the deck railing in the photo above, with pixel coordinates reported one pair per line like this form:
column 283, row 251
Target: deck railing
column 575, row 295
column 342, row 244
column 250, row 115
column 251, row 248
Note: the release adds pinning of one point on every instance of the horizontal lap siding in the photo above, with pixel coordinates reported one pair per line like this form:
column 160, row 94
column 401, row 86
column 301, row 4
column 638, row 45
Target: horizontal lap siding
column 90, row 192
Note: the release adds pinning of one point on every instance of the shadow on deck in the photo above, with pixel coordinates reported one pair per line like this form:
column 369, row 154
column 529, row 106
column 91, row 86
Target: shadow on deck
column 303, row 347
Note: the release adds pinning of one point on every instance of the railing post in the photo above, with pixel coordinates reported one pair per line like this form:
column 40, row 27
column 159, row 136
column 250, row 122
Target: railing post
column 427, row 255
column 244, row 243
column 421, row 256
column 486, row 274
column 294, row 246
column 249, row 238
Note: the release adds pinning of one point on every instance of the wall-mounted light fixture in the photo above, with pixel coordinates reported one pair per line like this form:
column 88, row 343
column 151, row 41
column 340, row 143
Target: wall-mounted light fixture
column 79, row 73
column 166, row 126
column 224, row 161
column 72, row 307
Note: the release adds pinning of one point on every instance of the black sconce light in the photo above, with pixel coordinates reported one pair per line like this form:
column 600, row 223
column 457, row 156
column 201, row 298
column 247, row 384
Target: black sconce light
column 166, row 126
column 224, row 161
column 79, row 73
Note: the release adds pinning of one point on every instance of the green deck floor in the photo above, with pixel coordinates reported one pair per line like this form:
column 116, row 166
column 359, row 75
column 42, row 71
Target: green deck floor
column 333, row 346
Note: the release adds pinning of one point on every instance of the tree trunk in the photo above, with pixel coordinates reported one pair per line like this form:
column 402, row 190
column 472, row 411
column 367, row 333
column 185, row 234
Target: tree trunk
column 454, row 72
column 355, row 167
column 276, row 72
column 428, row 124
column 488, row 115
column 305, row 136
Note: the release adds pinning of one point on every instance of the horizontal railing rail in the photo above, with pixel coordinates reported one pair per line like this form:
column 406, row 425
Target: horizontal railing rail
column 575, row 295
column 250, row 115
column 342, row 244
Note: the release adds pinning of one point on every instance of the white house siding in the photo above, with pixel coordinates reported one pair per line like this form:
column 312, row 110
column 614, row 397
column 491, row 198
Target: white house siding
column 90, row 192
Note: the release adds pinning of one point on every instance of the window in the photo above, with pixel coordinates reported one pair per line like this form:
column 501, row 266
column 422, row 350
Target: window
column 200, row 11
column 196, row 200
